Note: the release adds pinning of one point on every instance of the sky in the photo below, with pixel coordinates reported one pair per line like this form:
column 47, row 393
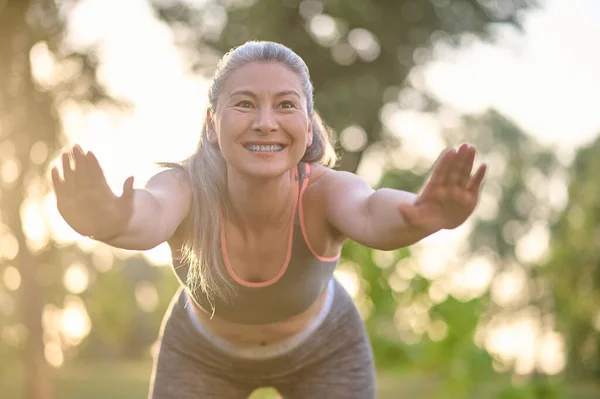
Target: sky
column 546, row 80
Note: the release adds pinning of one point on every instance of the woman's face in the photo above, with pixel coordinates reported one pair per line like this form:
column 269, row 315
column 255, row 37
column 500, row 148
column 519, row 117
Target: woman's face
column 261, row 123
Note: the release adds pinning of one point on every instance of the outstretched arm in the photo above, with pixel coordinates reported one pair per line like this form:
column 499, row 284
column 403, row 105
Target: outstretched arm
column 388, row 219
column 139, row 219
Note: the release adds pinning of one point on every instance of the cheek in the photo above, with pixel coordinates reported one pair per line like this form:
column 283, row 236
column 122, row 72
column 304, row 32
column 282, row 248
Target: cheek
column 227, row 128
column 301, row 125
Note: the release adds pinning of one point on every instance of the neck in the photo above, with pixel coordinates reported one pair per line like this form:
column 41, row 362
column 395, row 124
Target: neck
column 257, row 203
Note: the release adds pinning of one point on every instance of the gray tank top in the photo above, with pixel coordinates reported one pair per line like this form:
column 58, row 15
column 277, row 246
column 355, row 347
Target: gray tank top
column 302, row 278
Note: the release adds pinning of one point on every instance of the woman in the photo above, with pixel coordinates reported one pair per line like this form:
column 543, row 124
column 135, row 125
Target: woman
column 256, row 219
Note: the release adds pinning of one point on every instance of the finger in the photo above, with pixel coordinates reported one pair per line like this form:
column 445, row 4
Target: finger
column 456, row 169
column 95, row 172
column 67, row 171
column 81, row 174
column 467, row 166
column 439, row 175
column 57, row 182
column 128, row 188
column 474, row 183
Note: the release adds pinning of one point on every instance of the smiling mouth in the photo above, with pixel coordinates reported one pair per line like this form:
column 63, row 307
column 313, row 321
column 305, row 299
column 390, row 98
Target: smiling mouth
column 264, row 148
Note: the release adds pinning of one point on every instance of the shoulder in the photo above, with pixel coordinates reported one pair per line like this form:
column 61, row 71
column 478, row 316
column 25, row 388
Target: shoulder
column 171, row 188
column 170, row 178
column 327, row 181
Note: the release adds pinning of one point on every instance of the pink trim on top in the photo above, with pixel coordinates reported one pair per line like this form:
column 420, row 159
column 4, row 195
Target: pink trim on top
column 286, row 262
column 306, row 240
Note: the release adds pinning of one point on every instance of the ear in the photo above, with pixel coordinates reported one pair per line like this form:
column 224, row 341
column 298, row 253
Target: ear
column 210, row 127
column 309, row 137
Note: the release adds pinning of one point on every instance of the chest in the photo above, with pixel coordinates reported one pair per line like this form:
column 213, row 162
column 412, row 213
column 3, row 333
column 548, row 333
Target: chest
column 258, row 256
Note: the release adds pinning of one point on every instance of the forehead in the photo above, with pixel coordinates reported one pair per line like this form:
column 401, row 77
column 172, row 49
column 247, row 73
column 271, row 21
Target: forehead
column 262, row 77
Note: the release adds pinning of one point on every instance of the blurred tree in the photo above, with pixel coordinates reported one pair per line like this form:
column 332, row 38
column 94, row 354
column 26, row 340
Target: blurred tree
column 574, row 266
column 359, row 52
column 524, row 193
column 30, row 134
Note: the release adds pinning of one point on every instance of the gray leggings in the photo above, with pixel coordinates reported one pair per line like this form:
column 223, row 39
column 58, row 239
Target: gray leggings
column 335, row 361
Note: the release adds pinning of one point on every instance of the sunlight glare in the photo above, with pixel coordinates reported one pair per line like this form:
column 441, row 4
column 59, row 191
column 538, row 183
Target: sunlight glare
column 438, row 291
column 510, row 286
column 371, row 167
column 551, row 357
column 39, row 153
column 365, row 43
column 75, row 323
column 438, row 330
column 35, row 224
column 383, row 259
column 43, row 64
column 533, row 246
column 12, row 278
column 324, row 29
column 558, row 195
column 146, row 296
column 10, row 170
column 54, row 354
column 159, row 256
column 473, row 279
column 346, row 274
column 514, row 340
column 353, row 138
column 348, row 278
column 76, row 278
column 433, row 263
column 419, row 132
column 103, row 258
column 397, row 283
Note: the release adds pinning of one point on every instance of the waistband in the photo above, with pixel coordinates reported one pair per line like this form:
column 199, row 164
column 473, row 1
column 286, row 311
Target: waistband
column 267, row 351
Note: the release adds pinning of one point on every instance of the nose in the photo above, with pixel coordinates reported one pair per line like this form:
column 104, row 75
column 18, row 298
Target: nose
column 265, row 120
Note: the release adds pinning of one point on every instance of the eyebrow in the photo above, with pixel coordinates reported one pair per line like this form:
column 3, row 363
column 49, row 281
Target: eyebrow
column 252, row 94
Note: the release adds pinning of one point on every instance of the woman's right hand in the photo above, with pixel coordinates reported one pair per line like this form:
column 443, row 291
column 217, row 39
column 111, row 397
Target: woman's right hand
column 85, row 200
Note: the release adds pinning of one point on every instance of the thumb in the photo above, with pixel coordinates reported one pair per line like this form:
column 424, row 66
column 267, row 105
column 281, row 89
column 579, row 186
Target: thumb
column 409, row 212
column 128, row 188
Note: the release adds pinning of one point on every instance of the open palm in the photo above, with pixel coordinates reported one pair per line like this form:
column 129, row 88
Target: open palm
column 85, row 200
column 450, row 194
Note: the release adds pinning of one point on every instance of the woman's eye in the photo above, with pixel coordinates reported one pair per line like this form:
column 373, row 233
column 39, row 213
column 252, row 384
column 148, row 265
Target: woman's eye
column 244, row 104
column 287, row 104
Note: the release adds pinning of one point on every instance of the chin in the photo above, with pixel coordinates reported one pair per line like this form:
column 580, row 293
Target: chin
column 267, row 169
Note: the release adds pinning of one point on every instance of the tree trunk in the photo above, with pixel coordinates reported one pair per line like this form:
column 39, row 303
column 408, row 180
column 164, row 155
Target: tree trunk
column 24, row 113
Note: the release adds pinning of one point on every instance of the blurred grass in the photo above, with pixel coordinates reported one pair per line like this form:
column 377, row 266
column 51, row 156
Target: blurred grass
column 129, row 380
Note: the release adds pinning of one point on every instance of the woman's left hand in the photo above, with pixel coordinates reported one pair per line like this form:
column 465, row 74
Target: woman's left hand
column 450, row 194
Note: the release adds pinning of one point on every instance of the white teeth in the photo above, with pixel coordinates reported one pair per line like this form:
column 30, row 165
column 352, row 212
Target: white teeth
column 264, row 148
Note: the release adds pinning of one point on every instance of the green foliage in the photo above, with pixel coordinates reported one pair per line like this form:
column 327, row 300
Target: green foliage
column 518, row 183
column 111, row 305
column 120, row 328
column 573, row 267
column 539, row 388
